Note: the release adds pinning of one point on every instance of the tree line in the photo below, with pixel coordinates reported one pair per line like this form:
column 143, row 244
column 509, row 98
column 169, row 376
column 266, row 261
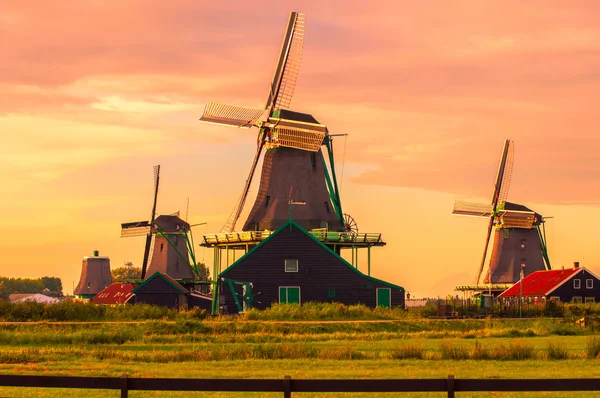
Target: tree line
column 47, row 285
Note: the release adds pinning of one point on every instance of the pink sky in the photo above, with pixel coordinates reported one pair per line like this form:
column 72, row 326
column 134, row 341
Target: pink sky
column 93, row 96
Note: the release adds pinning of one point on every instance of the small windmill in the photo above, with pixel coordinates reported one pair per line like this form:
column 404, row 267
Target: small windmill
column 519, row 239
column 293, row 155
column 169, row 244
column 139, row 228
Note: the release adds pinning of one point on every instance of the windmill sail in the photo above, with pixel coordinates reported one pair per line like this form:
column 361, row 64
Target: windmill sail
column 288, row 64
column 500, row 193
column 229, row 115
column 235, row 214
column 462, row 208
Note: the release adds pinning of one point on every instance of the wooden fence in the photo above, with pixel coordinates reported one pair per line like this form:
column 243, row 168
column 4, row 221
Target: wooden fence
column 287, row 385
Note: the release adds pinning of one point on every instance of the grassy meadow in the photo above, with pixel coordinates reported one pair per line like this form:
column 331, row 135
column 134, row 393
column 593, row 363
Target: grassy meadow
column 312, row 341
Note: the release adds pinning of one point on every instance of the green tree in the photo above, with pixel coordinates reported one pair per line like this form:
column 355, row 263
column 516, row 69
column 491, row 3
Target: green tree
column 204, row 271
column 125, row 273
column 54, row 285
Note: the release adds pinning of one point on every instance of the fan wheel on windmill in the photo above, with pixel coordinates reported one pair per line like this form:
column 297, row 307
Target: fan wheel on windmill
column 350, row 225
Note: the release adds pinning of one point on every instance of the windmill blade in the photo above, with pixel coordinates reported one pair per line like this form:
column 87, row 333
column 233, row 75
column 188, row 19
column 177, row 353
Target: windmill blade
column 235, row 214
column 508, row 168
column 298, row 138
column 517, row 219
column 487, row 243
column 136, row 228
column 150, row 235
column 495, row 257
column 463, row 208
column 230, row 115
column 288, row 64
column 500, row 176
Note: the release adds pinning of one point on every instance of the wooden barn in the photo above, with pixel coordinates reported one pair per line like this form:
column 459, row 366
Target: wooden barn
column 161, row 289
column 292, row 266
column 577, row 284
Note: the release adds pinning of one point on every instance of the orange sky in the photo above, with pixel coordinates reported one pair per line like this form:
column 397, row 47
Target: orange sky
column 93, row 97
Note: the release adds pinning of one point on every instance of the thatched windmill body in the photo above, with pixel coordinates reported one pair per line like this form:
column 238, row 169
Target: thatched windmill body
column 519, row 234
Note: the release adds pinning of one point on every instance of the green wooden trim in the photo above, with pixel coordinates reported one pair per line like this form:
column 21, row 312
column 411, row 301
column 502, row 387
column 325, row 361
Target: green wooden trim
column 177, row 286
column 292, row 223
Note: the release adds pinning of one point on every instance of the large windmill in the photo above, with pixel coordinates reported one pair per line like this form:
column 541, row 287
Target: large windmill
column 169, row 245
column 519, row 238
column 293, row 158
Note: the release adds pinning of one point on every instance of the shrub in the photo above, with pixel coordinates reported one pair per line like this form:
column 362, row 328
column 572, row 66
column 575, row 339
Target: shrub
column 515, row 351
column 480, row 352
column 453, row 351
column 592, row 347
column 408, row 351
column 557, row 351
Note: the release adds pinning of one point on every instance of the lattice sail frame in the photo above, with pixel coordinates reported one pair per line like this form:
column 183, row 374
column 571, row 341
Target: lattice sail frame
column 230, row 115
column 292, row 65
column 298, row 138
column 463, row 208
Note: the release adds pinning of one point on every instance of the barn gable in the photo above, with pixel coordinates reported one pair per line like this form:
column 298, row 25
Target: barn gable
column 293, row 266
column 160, row 289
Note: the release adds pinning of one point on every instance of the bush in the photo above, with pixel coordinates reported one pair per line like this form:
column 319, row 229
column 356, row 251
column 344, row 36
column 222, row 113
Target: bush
column 557, row 351
column 592, row 347
column 408, row 351
column 453, row 351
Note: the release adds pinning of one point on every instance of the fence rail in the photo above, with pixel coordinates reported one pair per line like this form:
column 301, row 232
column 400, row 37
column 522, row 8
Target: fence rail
column 287, row 385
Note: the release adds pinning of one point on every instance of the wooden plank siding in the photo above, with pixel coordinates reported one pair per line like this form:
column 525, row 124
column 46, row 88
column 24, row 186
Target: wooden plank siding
column 319, row 272
column 567, row 291
column 157, row 291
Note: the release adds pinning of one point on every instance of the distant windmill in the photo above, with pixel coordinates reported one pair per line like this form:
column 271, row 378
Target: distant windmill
column 519, row 239
column 293, row 155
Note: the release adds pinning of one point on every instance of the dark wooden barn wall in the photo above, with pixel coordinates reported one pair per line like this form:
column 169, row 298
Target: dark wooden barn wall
column 566, row 292
column 159, row 292
column 318, row 271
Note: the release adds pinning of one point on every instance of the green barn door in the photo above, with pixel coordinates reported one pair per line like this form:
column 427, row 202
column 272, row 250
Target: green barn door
column 289, row 294
column 384, row 297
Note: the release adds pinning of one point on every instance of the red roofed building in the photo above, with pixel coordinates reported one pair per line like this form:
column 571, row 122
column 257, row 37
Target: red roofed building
column 577, row 284
column 117, row 293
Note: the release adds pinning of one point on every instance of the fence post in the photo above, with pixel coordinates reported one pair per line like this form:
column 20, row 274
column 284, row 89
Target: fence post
column 287, row 387
column 450, row 386
column 124, row 386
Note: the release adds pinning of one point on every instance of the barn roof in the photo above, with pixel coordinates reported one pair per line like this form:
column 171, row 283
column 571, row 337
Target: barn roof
column 117, row 293
column 292, row 223
column 541, row 283
column 167, row 279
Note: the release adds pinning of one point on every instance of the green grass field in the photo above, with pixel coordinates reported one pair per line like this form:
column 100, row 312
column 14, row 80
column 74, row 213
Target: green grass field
column 405, row 347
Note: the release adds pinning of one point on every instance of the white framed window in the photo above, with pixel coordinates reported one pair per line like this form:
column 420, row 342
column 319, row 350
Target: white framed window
column 577, row 299
column 291, row 265
column 555, row 298
column 576, row 283
column 589, row 283
column 590, row 300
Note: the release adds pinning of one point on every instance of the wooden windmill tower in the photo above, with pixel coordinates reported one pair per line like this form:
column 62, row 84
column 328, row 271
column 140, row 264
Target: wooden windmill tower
column 294, row 158
column 298, row 158
column 169, row 248
column 519, row 237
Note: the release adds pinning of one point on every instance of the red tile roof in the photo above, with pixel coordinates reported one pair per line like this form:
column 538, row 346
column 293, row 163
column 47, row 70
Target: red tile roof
column 540, row 283
column 117, row 293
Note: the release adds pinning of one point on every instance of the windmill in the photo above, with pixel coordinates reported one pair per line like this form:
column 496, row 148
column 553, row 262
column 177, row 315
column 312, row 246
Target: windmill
column 293, row 157
column 519, row 237
column 169, row 244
